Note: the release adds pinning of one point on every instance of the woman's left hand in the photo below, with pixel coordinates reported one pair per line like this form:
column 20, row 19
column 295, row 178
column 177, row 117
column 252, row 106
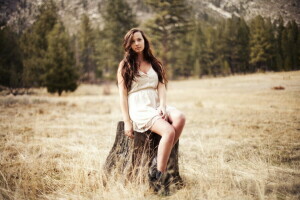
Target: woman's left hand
column 162, row 112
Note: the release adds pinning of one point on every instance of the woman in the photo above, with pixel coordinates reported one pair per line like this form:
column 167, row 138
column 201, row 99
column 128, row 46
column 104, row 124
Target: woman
column 142, row 88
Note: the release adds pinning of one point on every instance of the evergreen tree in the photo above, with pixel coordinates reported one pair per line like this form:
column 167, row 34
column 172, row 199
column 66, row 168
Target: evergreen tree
column 243, row 34
column 100, row 55
column 286, row 50
column 86, row 47
column 187, row 56
column 225, row 43
column 11, row 67
column 118, row 20
column 294, row 37
column 198, row 46
column 34, row 45
column 260, row 44
column 220, row 50
column 204, row 49
column 289, row 46
column 271, row 50
column 61, row 72
column 237, row 45
column 182, row 56
column 210, row 59
column 226, row 69
column 298, row 50
column 167, row 27
column 278, row 47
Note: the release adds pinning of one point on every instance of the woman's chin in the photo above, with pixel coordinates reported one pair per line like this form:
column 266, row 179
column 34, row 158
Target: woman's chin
column 138, row 51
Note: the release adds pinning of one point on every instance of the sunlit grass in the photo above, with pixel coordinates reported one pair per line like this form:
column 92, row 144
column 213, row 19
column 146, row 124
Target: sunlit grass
column 241, row 141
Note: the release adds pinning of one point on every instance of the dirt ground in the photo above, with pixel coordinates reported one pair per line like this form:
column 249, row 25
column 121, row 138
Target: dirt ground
column 241, row 141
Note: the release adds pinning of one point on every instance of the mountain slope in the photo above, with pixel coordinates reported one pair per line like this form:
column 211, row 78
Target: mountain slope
column 22, row 13
column 289, row 9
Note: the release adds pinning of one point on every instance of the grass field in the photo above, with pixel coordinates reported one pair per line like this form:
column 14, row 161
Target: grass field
column 241, row 141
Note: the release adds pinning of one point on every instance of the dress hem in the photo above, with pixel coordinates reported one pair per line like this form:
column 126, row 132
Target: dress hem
column 148, row 125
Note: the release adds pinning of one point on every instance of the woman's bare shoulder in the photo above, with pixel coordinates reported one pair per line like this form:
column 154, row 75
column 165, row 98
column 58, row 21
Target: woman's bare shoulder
column 121, row 65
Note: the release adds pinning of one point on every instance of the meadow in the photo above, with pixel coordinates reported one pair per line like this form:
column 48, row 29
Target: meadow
column 241, row 141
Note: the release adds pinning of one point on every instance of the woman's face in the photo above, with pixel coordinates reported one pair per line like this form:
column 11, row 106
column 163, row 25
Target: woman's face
column 137, row 43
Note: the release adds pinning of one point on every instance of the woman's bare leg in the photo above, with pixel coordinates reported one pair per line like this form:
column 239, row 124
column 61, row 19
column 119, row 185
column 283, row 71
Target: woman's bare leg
column 167, row 133
column 177, row 120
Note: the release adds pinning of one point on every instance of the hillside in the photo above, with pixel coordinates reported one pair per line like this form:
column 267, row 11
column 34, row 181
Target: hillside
column 21, row 13
column 289, row 9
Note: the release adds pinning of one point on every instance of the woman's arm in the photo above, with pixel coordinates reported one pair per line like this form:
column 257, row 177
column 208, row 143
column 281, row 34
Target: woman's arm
column 162, row 99
column 124, row 102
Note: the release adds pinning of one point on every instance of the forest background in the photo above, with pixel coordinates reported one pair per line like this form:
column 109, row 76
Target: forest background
column 47, row 54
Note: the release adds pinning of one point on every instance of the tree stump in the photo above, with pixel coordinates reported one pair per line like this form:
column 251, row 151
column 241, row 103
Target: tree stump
column 132, row 158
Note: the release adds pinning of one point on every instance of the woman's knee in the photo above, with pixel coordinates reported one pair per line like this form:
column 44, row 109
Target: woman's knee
column 179, row 117
column 170, row 134
column 182, row 118
column 164, row 129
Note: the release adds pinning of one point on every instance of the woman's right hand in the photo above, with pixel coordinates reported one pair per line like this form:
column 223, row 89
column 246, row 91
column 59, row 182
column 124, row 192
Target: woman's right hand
column 128, row 129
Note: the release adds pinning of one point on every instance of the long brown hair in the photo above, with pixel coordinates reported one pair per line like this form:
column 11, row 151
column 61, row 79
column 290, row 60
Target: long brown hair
column 130, row 66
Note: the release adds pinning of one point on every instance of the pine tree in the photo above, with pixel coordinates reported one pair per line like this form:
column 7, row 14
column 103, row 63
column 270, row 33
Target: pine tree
column 197, row 48
column 118, row 20
column 197, row 68
column 100, row 55
column 34, row 45
column 228, row 43
column 11, row 66
column 289, row 46
column 278, row 47
column 271, row 50
column 243, row 46
column 86, row 47
column 185, row 57
column 260, row 44
column 210, row 58
column 220, row 49
column 226, row 69
column 61, row 74
column 169, row 24
column 294, row 37
column 298, row 50
column 226, row 48
column 286, row 50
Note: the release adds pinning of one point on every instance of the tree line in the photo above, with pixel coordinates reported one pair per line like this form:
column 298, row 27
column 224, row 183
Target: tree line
column 46, row 55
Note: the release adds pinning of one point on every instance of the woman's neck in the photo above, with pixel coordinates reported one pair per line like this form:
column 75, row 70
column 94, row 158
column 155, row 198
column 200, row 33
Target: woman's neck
column 140, row 58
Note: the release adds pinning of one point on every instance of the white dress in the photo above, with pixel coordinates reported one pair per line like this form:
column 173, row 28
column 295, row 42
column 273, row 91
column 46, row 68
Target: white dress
column 143, row 101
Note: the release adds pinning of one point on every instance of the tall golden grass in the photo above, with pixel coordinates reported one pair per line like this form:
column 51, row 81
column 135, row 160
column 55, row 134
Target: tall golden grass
column 241, row 141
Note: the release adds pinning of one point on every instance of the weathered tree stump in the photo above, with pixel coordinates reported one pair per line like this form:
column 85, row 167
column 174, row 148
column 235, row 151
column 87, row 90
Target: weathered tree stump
column 132, row 158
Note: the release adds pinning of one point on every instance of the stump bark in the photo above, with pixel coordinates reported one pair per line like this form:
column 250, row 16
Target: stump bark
column 132, row 158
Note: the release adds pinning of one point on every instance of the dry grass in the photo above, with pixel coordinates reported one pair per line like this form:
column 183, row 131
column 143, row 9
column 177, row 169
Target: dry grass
column 241, row 141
